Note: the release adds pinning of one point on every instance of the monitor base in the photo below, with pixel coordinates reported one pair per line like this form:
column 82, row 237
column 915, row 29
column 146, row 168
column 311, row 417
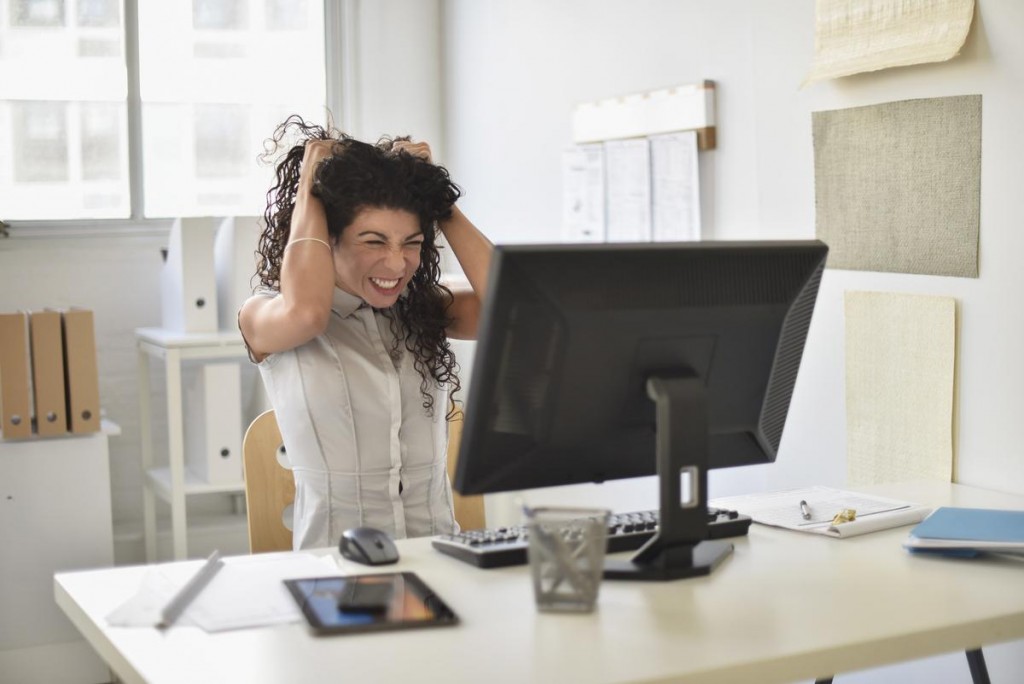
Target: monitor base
column 706, row 556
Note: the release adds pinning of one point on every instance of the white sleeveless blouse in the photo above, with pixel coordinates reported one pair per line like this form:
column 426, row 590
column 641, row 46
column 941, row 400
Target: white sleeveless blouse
column 362, row 447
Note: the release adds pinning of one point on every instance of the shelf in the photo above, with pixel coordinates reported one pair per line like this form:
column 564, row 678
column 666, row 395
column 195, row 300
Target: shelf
column 107, row 427
column 161, row 481
column 175, row 349
column 162, row 337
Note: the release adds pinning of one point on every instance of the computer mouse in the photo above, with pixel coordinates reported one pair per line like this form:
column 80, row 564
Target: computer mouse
column 368, row 545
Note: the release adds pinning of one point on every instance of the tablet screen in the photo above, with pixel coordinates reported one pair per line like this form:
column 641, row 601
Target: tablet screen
column 361, row 603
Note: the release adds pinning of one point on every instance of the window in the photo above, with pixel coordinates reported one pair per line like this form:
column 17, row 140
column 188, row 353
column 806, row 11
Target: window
column 63, row 120
column 214, row 79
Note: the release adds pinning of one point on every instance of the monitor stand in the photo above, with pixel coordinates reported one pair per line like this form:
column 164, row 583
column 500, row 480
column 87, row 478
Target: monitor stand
column 680, row 547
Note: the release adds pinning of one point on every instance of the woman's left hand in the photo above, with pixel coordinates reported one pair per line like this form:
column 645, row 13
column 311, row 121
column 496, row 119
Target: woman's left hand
column 416, row 149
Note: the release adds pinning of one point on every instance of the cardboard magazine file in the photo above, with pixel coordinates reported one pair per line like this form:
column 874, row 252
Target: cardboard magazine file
column 188, row 286
column 15, row 388
column 80, row 371
column 234, row 259
column 212, row 399
column 47, row 344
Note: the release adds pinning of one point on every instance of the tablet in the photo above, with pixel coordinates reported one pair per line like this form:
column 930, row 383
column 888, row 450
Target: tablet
column 367, row 603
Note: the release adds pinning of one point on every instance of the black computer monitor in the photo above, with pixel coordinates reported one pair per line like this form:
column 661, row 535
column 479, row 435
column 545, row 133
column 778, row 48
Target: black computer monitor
column 605, row 361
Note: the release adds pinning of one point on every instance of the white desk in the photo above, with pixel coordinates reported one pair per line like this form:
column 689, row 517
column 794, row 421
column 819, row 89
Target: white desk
column 785, row 606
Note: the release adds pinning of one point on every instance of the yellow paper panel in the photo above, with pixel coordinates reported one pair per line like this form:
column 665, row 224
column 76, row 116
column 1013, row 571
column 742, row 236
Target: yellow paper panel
column 900, row 353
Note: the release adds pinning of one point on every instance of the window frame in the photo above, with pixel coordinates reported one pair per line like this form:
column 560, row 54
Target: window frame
column 340, row 21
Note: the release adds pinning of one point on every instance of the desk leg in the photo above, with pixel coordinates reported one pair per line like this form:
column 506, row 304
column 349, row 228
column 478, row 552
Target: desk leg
column 146, row 435
column 176, row 453
column 976, row 662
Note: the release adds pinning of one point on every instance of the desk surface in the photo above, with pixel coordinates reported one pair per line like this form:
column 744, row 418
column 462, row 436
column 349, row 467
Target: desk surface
column 784, row 606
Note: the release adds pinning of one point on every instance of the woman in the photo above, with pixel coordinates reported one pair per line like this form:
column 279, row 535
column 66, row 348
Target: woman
column 351, row 327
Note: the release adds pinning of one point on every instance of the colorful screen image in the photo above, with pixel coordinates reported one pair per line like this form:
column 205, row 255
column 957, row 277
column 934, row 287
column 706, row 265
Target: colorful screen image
column 360, row 603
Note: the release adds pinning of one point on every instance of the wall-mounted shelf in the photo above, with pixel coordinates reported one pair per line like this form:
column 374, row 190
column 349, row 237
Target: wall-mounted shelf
column 688, row 107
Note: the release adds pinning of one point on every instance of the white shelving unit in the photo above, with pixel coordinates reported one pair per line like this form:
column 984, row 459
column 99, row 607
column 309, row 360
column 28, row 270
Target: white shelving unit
column 54, row 517
column 173, row 483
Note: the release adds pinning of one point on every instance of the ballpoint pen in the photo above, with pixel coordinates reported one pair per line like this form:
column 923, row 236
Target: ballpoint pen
column 176, row 606
column 805, row 510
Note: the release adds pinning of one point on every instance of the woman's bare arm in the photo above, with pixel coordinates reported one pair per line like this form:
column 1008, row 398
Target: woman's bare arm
column 473, row 250
column 301, row 311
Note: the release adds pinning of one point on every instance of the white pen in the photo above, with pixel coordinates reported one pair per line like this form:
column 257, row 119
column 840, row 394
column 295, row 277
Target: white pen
column 805, row 510
column 176, row 606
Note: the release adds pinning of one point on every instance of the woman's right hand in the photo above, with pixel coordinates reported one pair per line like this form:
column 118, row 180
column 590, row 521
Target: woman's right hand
column 316, row 151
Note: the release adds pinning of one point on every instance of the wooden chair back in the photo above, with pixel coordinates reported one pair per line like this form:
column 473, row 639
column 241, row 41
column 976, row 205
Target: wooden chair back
column 469, row 510
column 269, row 486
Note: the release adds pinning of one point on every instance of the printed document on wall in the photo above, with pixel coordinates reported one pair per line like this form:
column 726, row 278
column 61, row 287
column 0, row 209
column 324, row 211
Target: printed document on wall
column 900, row 356
column 583, row 194
column 675, row 187
column 628, row 173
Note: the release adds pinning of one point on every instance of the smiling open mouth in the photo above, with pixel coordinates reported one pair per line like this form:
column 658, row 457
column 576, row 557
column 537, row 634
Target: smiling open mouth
column 385, row 284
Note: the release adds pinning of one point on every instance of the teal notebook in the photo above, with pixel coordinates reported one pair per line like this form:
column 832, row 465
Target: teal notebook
column 971, row 530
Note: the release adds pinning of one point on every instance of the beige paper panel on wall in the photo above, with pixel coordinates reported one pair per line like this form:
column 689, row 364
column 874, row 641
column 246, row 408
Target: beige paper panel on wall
column 900, row 354
column 897, row 186
column 856, row 36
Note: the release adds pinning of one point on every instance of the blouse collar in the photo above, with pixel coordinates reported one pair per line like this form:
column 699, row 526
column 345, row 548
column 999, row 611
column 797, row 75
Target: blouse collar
column 345, row 304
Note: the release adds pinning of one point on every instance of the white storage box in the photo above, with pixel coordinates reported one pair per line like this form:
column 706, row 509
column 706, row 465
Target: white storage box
column 212, row 412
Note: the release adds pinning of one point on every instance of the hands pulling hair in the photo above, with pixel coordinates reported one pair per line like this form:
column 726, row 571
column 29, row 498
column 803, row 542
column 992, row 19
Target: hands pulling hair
column 391, row 174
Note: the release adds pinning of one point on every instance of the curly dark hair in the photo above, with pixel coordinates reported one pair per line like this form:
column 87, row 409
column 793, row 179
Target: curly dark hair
column 357, row 176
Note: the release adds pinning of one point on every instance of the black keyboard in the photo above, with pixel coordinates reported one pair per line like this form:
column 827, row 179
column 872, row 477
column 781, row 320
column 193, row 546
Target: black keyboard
column 504, row 546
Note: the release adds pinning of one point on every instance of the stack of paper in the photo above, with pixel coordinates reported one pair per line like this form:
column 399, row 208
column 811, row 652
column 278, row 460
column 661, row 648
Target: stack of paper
column 968, row 532
column 248, row 592
column 812, row 509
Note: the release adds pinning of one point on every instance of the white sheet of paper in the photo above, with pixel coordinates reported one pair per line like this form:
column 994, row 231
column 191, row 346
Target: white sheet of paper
column 628, row 188
column 248, row 591
column 782, row 509
column 675, row 187
column 583, row 194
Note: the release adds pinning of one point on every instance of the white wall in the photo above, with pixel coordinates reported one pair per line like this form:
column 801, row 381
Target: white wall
column 514, row 69
column 396, row 89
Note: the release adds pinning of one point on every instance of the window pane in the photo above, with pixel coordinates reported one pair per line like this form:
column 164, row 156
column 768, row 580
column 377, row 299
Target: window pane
column 99, row 13
column 101, row 141
column 286, row 15
column 220, row 14
column 221, row 142
column 40, row 134
column 63, row 124
column 37, row 12
column 216, row 77
column 202, row 159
